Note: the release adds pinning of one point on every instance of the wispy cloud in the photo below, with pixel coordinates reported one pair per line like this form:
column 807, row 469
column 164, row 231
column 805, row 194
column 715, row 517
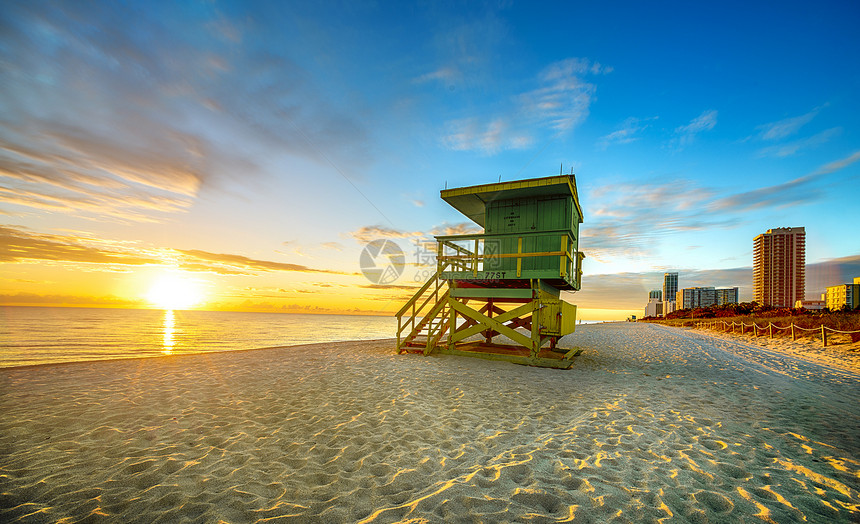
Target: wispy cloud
column 444, row 75
column 230, row 262
column 19, row 245
column 563, row 98
column 627, row 219
column 798, row 191
column 801, row 190
column 558, row 103
column 626, row 133
column 333, row 245
column 786, row 127
column 793, row 147
column 686, row 134
column 837, row 165
column 471, row 134
column 104, row 117
column 460, row 228
column 367, row 234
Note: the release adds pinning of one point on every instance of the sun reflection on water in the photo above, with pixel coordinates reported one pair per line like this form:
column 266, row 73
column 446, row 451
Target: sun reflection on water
column 169, row 327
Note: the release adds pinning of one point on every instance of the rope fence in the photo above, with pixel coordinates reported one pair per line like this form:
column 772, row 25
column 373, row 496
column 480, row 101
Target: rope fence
column 757, row 330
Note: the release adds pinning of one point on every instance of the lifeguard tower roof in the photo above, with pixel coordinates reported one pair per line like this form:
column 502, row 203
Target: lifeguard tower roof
column 472, row 201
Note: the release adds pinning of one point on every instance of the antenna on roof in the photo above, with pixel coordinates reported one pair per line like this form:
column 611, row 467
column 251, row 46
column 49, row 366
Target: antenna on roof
column 500, row 179
column 560, row 168
column 446, row 184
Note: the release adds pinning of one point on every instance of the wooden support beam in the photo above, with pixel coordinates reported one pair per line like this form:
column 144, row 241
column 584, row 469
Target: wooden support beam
column 497, row 324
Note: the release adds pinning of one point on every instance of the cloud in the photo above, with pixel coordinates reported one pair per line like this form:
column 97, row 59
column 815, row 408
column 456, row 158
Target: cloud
column 630, row 290
column 559, row 101
column 240, row 262
column 86, row 176
column 786, row 127
column 834, row 166
column 626, row 133
column 798, row 191
column 801, row 190
column 791, row 148
column 367, row 234
column 20, row 245
column 114, row 112
column 704, row 122
column 562, row 101
column 627, row 219
column 445, row 75
column 460, row 228
column 471, row 134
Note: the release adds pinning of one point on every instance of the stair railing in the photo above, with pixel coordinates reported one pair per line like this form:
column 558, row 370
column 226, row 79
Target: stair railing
column 412, row 310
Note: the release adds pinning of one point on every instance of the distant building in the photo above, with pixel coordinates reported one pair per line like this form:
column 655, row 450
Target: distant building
column 726, row 295
column 670, row 285
column 693, row 297
column 779, row 267
column 668, row 307
column 654, row 308
column 812, row 305
column 836, row 297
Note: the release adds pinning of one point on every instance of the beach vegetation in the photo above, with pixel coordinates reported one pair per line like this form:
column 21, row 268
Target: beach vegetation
column 749, row 312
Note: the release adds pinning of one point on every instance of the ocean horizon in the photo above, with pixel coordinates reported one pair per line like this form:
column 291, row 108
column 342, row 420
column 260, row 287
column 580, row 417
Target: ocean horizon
column 50, row 335
column 33, row 335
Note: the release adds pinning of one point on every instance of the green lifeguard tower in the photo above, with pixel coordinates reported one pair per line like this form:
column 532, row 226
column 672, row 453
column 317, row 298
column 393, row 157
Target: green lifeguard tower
column 505, row 281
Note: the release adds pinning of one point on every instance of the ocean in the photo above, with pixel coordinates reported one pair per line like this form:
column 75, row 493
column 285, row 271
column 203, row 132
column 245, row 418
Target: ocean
column 44, row 335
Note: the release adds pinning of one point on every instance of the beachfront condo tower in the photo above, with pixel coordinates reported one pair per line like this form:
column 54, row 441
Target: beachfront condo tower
column 670, row 286
column 727, row 295
column 779, row 267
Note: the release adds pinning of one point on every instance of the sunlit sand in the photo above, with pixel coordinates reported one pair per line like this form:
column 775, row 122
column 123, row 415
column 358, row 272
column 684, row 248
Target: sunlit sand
column 652, row 424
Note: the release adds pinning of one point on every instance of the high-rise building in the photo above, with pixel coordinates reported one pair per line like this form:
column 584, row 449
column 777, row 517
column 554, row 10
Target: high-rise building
column 693, row 297
column 670, row 286
column 655, row 294
column 727, row 295
column 779, row 267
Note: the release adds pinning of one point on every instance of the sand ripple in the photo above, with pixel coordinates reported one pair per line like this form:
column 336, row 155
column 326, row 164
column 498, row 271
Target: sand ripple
column 651, row 425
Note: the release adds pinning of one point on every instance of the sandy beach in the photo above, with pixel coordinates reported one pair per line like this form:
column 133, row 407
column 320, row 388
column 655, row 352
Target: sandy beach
column 841, row 353
column 652, row 424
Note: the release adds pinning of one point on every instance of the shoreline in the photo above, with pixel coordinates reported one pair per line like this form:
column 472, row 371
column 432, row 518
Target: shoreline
column 192, row 354
column 648, row 424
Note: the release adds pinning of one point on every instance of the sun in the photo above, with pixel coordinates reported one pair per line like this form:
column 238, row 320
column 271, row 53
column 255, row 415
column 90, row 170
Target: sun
column 172, row 291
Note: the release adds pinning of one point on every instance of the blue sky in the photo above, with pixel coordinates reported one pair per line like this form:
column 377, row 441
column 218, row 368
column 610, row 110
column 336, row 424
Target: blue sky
column 255, row 146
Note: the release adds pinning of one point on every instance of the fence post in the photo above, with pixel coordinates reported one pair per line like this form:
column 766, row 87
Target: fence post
column 755, row 329
column 792, row 332
column 824, row 335
column 770, row 328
